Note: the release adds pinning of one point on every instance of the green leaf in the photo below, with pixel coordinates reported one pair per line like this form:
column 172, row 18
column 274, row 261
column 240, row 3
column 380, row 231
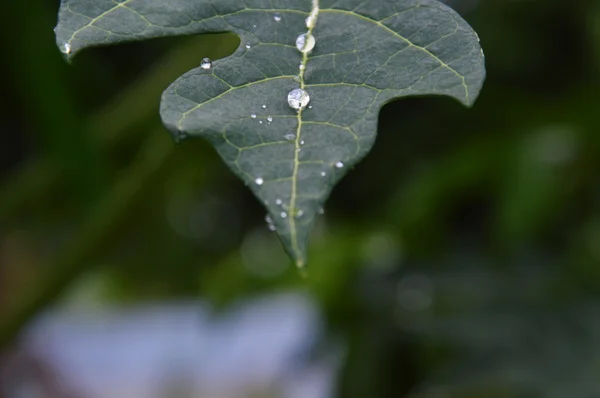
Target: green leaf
column 367, row 53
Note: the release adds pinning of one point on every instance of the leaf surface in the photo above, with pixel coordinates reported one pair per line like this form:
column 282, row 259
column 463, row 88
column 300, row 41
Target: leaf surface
column 367, row 53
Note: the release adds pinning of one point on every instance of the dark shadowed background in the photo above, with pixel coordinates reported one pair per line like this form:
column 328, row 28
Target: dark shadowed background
column 460, row 259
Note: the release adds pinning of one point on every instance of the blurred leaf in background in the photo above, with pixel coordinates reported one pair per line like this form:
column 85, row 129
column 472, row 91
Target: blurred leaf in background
column 461, row 259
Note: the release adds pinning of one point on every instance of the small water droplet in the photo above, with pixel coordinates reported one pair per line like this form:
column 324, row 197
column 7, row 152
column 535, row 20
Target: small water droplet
column 299, row 213
column 253, row 115
column 278, row 202
column 339, row 165
column 305, row 42
column 260, row 121
column 290, row 137
column 297, row 79
column 321, row 211
column 298, row 99
column 277, row 17
column 272, row 227
column 309, row 21
column 283, row 214
column 66, row 48
column 264, row 107
column 269, row 119
column 323, row 174
column 248, row 46
column 268, row 219
column 310, row 107
column 259, row 181
column 301, row 67
column 302, row 142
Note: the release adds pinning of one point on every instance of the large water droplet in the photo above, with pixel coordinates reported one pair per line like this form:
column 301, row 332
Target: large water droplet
column 259, row 181
column 290, row 137
column 277, row 17
column 305, row 42
column 298, row 99
column 206, row 64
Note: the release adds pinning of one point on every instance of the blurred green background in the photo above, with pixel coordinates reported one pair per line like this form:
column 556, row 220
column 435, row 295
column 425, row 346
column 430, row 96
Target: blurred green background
column 461, row 258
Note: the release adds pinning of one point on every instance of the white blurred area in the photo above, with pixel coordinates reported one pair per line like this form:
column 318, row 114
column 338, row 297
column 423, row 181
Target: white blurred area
column 265, row 347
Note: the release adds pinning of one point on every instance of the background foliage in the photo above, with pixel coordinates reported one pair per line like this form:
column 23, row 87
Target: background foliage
column 464, row 252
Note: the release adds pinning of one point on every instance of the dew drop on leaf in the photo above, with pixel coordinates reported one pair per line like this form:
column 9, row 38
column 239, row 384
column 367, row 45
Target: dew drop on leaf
column 299, row 213
column 259, row 181
column 269, row 119
column 339, row 165
column 290, row 137
column 66, row 48
column 264, row 107
column 206, row 64
column 277, row 17
column 323, row 174
column 253, row 115
column 248, row 46
column 298, row 99
column 278, row 202
column 283, row 214
column 297, row 79
column 305, row 42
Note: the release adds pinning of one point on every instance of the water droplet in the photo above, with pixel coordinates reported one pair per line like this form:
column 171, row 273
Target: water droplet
column 339, row 165
column 269, row 119
column 321, row 211
column 253, row 115
column 310, row 107
column 323, row 174
column 248, row 46
column 302, row 142
column 259, row 181
column 301, row 67
column 268, row 219
column 297, row 79
column 264, row 107
column 298, row 99
column 290, row 137
column 299, row 213
column 66, row 48
column 278, row 202
column 309, row 21
column 305, row 42
column 260, row 121
column 277, row 17
column 272, row 227
column 298, row 149
column 283, row 214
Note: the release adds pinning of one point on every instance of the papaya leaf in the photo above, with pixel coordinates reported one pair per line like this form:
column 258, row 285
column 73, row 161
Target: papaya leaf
column 367, row 53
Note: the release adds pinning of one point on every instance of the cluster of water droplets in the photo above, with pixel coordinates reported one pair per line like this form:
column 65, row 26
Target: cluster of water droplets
column 298, row 98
